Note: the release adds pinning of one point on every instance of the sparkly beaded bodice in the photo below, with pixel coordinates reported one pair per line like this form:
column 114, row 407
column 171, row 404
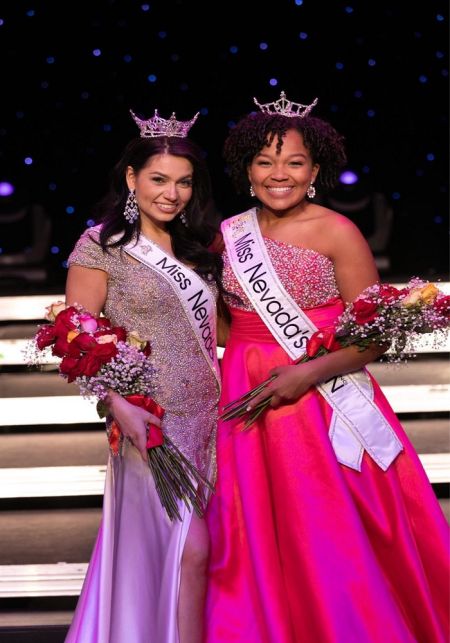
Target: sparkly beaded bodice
column 307, row 275
column 139, row 299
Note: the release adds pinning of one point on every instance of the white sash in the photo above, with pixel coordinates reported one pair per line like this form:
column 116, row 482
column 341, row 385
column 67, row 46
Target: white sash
column 195, row 296
column 357, row 423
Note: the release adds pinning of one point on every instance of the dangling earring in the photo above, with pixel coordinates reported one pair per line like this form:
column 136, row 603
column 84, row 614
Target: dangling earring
column 131, row 211
column 252, row 191
column 183, row 218
column 311, row 191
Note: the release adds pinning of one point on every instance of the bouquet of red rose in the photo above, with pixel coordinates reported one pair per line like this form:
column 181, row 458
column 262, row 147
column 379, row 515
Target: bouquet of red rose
column 381, row 314
column 99, row 358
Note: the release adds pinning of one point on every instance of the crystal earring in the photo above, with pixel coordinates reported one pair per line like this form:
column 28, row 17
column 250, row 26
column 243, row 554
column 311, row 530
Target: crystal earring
column 252, row 191
column 311, row 191
column 131, row 212
column 183, row 218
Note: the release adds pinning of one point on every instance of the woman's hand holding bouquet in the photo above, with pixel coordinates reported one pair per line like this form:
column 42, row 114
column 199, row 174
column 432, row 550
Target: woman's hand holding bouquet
column 382, row 316
column 113, row 366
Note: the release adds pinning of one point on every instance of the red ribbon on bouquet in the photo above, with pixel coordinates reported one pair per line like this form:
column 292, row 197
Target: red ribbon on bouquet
column 325, row 338
column 155, row 435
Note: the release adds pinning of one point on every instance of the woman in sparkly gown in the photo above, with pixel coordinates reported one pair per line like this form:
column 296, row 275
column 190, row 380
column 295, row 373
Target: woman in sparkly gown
column 305, row 548
column 146, row 577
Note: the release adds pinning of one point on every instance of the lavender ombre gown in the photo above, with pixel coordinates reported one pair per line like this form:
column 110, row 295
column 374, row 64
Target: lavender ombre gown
column 130, row 593
column 304, row 549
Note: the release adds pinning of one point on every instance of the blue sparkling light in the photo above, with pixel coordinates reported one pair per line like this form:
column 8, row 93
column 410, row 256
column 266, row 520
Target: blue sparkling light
column 339, row 66
column 303, row 35
column 273, row 82
column 2, row 22
column 430, row 156
column 231, row 124
column 371, row 113
column 50, row 60
column 439, row 17
column 28, row 160
column 90, row 223
column 107, row 127
column 70, row 209
column 127, row 58
column 299, row 3
column 96, row 52
column 30, row 13
column 204, row 111
column 357, row 93
column 52, row 187
column 348, row 177
column 263, row 46
column 348, row 10
column 54, row 250
column 145, row 7
column 64, row 263
column 438, row 219
column 423, row 79
column 6, row 188
column 366, row 169
column 162, row 34
column 439, row 54
column 371, row 62
column 234, row 49
column 152, row 78
column 396, row 196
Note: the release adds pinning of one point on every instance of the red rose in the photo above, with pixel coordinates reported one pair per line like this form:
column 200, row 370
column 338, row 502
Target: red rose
column 62, row 346
column 89, row 365
column 364, row 311
column 442, row 306
column 64, row 320
column 103, row 322
column 388, row 293
column 147, row 350
column 70, row 366
column 105, row 352
column 45, row 336
column 83, row 342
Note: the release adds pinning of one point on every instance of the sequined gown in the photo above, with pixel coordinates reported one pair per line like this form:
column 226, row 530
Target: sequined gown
column 304, row 549
column 130, row 592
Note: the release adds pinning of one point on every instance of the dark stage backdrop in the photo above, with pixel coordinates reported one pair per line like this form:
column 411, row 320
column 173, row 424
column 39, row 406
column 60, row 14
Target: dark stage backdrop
column 71, row 71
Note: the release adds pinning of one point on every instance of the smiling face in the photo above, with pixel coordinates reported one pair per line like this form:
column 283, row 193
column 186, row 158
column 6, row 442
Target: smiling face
column 280, row 179
column 163, row 189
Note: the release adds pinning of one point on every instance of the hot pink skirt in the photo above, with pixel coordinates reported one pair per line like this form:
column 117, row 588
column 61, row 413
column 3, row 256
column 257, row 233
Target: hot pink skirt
column 304, row 549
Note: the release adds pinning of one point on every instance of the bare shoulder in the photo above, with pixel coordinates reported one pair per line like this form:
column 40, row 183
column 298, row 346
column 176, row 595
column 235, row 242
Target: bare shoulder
column 339, row 232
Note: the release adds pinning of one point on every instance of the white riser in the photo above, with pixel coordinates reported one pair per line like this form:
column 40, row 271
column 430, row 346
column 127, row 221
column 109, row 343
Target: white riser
column 49, row 482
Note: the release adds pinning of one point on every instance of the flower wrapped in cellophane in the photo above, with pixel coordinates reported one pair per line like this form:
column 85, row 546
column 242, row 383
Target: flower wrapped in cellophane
column 383, row 315
column 100, row 358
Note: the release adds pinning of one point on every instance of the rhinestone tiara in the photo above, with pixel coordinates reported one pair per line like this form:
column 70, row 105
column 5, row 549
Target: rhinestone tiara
column 285, row 107
column 157, row 126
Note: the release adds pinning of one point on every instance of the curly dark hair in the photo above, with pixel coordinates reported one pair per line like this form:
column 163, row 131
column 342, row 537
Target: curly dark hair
column 190, row 242
column 255, row 131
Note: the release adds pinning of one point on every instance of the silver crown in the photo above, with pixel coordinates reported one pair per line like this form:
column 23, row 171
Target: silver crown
column 157, row 126
column 285, row 107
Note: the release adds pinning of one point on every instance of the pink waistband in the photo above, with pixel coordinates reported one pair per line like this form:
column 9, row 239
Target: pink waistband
column 249, row 326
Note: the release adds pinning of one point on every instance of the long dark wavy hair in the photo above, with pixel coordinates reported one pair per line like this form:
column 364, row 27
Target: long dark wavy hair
column 256, row 130
column 190, row 242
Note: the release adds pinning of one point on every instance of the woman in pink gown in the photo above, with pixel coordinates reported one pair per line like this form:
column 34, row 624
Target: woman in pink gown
column 306, row 549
